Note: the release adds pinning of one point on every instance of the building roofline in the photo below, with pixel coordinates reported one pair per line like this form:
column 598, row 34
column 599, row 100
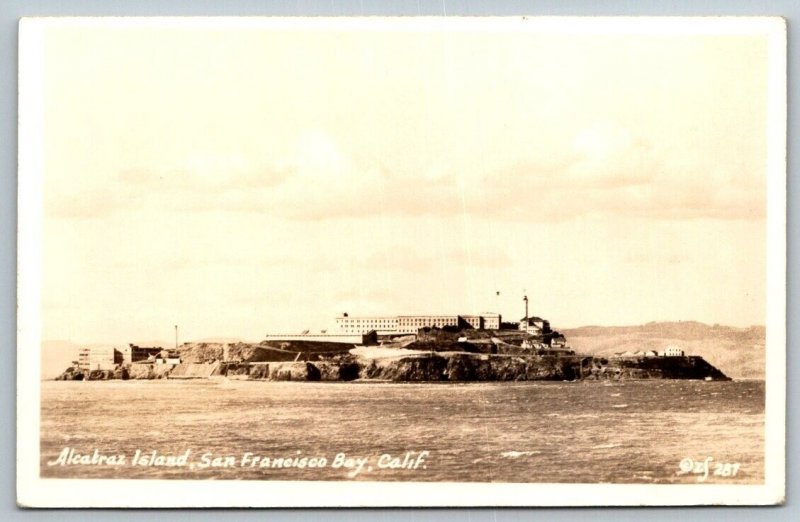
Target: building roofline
column 483, row 314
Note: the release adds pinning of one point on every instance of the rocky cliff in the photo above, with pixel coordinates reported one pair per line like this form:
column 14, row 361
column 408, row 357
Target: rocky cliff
column 435, row 367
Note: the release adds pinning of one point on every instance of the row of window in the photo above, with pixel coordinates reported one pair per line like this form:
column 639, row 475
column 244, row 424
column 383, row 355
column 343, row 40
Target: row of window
column 411, row 324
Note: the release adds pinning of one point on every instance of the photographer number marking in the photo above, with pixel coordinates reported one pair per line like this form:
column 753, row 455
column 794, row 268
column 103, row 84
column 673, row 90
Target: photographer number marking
column 702, row 468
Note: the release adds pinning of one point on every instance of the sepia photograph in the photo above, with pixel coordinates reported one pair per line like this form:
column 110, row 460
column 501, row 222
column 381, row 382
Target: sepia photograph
column 289, row 262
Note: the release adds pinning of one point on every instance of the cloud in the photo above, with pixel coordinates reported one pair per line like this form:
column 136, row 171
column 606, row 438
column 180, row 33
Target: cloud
column 199, row 181
column 606, row 155
column 608, row 170
column 84, row 202
column 203, row 172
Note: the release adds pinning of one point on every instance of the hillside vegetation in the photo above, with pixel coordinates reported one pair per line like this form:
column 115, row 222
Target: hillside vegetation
column 739, row 352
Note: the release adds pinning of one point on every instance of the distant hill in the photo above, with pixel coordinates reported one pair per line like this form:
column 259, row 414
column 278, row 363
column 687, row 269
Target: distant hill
column 738, row 352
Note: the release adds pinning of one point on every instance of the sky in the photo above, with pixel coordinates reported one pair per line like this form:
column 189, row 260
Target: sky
column 237, row 182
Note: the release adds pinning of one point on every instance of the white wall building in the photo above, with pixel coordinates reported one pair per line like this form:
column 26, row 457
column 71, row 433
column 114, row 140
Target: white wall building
column 491, row 321
column 410, row 324
column 361, row 325
column 534, row 325
column 99, row 358
column 672, row 351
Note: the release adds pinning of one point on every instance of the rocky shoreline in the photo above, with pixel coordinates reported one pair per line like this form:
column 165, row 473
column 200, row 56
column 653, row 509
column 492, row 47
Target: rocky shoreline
column 433, row 367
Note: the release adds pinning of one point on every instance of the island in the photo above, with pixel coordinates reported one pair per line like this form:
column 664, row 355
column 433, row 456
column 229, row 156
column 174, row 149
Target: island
column 398, row 349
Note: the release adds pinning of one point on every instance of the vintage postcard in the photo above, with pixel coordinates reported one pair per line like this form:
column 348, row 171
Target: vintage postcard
column 401, row 261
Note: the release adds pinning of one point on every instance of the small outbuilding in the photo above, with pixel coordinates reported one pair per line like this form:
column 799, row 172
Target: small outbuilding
column 672, row 351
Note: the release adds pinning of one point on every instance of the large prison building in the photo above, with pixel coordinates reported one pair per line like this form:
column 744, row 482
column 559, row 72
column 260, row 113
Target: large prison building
column 410, row 324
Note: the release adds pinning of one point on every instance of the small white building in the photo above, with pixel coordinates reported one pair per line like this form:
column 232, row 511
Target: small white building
column 672, row 351
column 534, row 325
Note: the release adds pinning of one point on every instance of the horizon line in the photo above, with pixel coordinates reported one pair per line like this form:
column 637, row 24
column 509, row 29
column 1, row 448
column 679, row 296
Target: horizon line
column 210, row 339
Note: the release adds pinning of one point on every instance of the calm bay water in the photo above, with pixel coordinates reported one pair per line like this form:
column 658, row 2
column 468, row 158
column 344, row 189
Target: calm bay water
column 628, row 432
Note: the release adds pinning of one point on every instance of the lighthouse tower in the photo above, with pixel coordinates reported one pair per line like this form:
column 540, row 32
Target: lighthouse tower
column 525, row 298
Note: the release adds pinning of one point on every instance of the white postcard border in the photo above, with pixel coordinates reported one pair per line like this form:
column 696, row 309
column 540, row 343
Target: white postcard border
column 37, row 492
